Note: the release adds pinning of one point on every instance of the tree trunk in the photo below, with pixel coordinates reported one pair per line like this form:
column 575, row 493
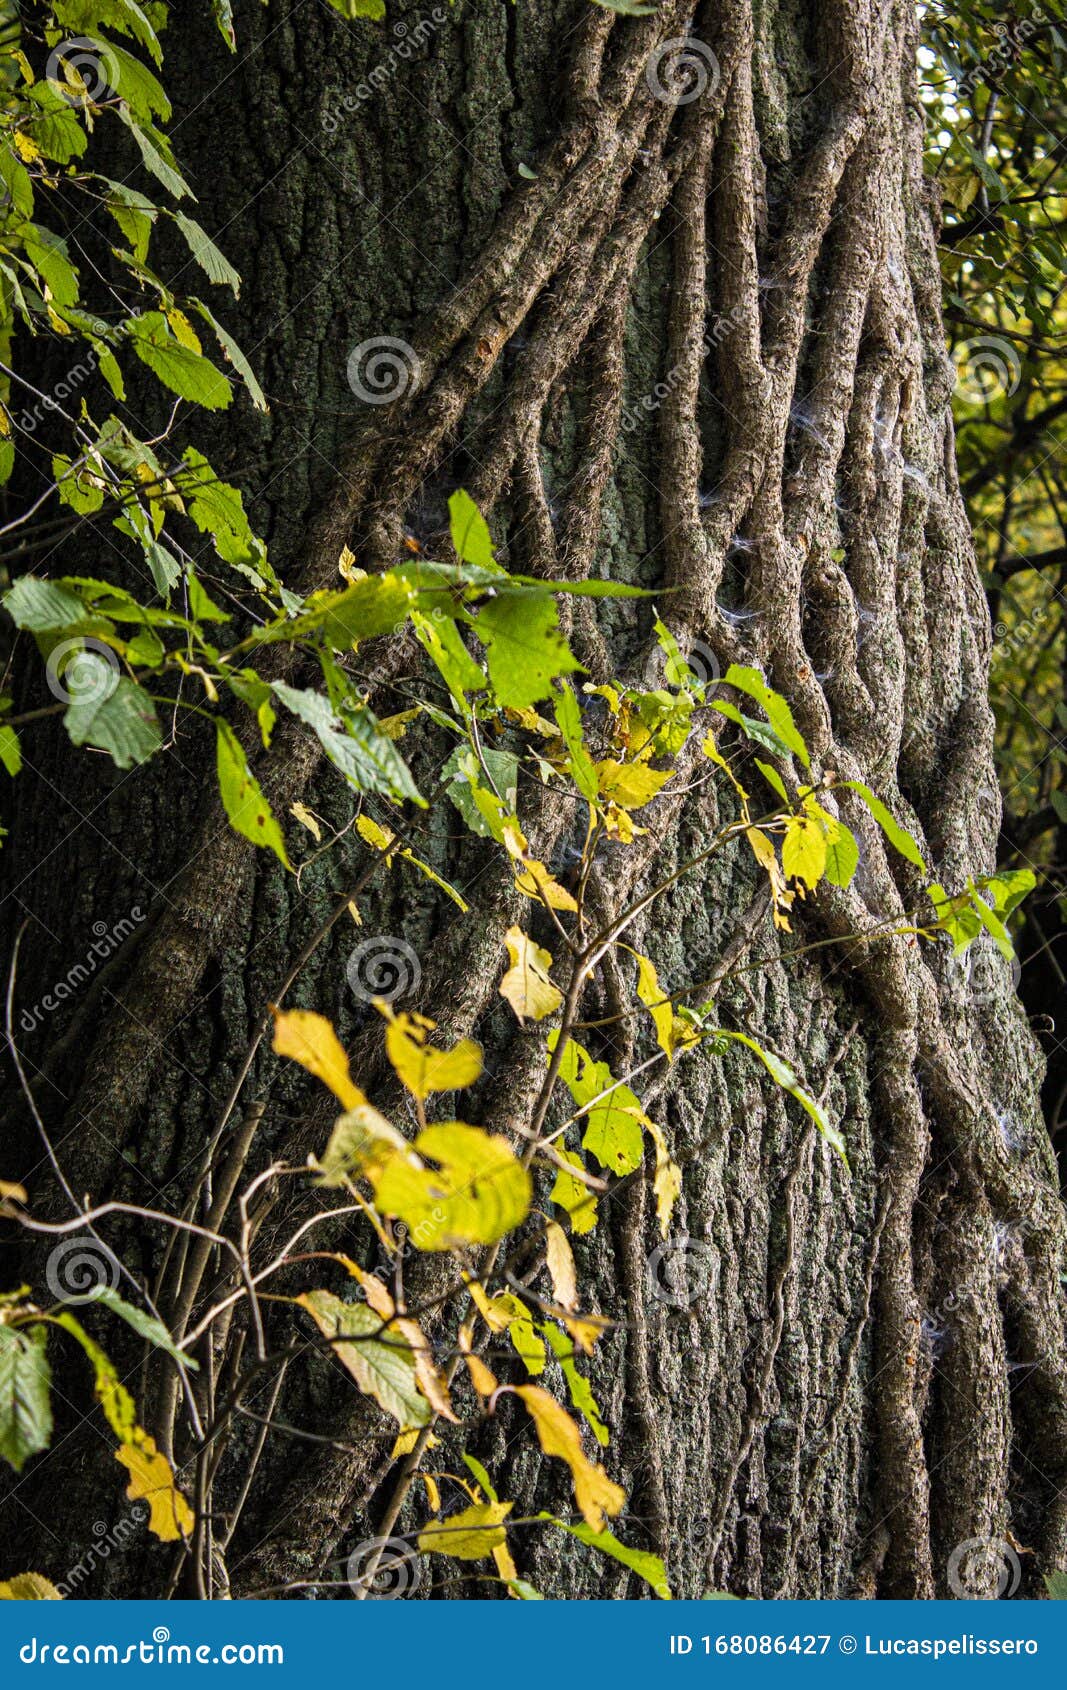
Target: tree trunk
column 667, row 295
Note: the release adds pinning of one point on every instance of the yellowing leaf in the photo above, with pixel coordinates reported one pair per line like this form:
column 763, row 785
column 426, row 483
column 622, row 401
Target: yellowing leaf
column 630, row 785
column 29, row 1587
column 395, row 727
column 346, row 567
column 575, row 1198
column 804, row 850
column 478, row 1191
column 586, row 1329
column 361, row 1143
column 672, row 1032
column 532, row 877
column 469, row 1535
column 597, row 1495
column 765, row 854
column 667, row 1182
column 306, row 819
column 505, row 1566
column 526, row 985
column 152, row 1481
column 561, row 1267
column 310, row 1040
column 11, row 1192
column 381, row 1362
column 420, row 1065
column 431, row 1379
column 406, row 1441
column 433, row 1495
column 482, row 1379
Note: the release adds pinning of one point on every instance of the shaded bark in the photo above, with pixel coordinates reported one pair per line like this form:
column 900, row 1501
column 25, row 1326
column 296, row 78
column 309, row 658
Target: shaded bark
column 700, row 350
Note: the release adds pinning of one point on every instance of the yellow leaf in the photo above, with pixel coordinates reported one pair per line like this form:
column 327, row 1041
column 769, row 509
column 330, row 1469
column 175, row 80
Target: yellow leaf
column 526, row 985
column 532, row 877
column 10, row 1192
column 306, row 819
column 372, row 834
column 505, row 1566
column 29, row 1587
column 597, row 1495
column 765, row 854
column 184, row 333
column 469, row 1535
column 561, row 1267
column 585, row 1329
column 431, row 1379
column 395, row 727
column 667, row 1183
column 27, row 147
column 629, row 785
column 353, row 910
column 804, row 850
column 478, row 1191
column 310, row 1040
column 575, row 1198
column 406, row 1442
column 346, row 567
column 152, row 1481
column 482, row 1379
column 672, row 1032
column 433, row 1495
column 420, row 1065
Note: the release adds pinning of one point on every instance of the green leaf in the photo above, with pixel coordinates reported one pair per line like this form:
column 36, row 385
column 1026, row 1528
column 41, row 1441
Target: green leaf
column 214, row 265
column 233, row 353
column 578, row 1202
column 842, row 855
column 898, row 836
column 569, row 717
column 186, row 373
column 524, row 648
column 578, row 1386
column 756, row 730
column 441, row 639
column 25, row 1406
column 155, row 151
column 463, row 772
column 647, row 1566
column 773, row 779
column 242, row 796
column 777, row 710
column 1056, row 1585
column 612, row 1125
column 480, row 1474
column 380, row 1361
column 10, row 750
column 145, row 1325
column 123, row 723
column 353, row 742
column 470, row 532
column 42, row 606
column 784, row 1076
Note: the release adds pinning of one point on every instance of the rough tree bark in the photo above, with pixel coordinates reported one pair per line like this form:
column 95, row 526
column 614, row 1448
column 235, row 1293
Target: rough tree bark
column 699, row 349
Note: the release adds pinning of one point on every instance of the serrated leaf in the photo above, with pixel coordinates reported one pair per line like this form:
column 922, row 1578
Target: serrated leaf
column 575, row 1198
column 597, row 1495
column 123, row 722
column 421, row 1066
column 144, row 1324
column 898, row 836
column 525, row 650
column 247, row 809
column 559, row 1260
column 187, row 373
column 469, row 1535
column 477, row 1192
column 647, row 1566
column 151, row 1480
column 381, row 1363
column 29, row 1587
column 470, row 532
column 630, row 785
column 777, row 711
column 213, row 263
column 25, row 1384
column 804, row 850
